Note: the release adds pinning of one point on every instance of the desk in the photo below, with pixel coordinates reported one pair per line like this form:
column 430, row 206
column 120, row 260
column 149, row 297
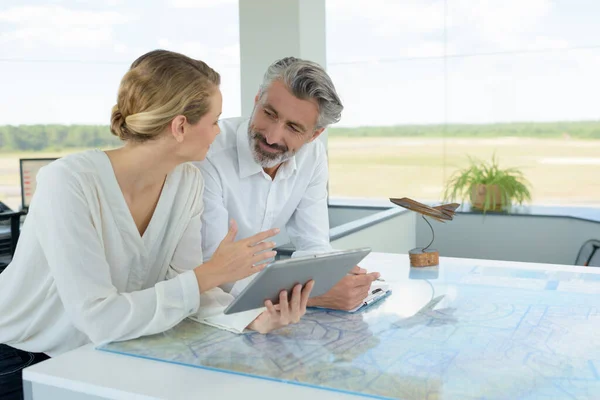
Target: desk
column 464, row 345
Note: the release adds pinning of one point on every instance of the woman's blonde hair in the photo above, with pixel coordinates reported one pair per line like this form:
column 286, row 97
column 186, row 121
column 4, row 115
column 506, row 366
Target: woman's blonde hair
column 159, row 86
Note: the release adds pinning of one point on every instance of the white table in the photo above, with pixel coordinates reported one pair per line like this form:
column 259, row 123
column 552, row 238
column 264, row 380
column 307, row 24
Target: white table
column 86, row 373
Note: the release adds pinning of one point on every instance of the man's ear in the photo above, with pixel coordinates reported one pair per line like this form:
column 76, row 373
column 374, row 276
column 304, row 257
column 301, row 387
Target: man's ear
column 178, row 128
column 316, row 134
column 256, row 98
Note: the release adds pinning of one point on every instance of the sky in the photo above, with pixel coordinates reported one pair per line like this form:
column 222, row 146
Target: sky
column 507, row 60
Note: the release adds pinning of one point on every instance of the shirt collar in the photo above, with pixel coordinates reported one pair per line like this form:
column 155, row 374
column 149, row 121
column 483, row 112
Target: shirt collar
column 287, row 168
column 248, row 166
column 245, row 158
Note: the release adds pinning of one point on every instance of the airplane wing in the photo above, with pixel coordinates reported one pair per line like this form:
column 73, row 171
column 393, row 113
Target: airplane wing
column 441, row 213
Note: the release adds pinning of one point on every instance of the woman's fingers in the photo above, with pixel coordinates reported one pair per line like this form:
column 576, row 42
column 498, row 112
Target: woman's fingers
column 288, row 311
column 262, row 246
column 257, row 268
column 262, row 256
column 295, row 311
column 230, row 237
column 306, row 294
column 259, row 237
column 270, row 307
column 284, row 312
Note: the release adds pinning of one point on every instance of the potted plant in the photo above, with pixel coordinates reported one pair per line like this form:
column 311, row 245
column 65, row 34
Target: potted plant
column 488, row 187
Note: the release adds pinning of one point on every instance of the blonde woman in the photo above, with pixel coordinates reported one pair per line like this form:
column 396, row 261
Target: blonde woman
column 111, row 248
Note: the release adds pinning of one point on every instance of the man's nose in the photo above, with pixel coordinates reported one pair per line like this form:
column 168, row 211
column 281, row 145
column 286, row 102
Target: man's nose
column 275, row 135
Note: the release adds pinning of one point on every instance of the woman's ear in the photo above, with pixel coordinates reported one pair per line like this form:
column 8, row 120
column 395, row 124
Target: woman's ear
column 178, row 128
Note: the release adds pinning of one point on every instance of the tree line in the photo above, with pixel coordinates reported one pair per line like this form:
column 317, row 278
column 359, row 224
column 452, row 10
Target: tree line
column 64, row 137
column 566, row 129
column 55, row 137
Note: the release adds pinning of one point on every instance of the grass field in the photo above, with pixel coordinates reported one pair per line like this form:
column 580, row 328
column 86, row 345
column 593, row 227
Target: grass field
column 561, row 171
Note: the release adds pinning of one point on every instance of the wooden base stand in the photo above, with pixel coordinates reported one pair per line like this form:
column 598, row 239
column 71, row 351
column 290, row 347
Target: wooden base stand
column 427, row 258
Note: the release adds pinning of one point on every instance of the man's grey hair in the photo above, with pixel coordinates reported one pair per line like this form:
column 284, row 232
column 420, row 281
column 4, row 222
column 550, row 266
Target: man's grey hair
column 306, row 80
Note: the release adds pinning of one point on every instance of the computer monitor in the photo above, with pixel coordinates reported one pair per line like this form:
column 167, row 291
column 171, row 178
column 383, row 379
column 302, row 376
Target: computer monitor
column 29, row 168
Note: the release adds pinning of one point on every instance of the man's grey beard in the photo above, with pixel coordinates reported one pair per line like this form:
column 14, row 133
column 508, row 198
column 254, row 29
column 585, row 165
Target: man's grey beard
column 266, row 160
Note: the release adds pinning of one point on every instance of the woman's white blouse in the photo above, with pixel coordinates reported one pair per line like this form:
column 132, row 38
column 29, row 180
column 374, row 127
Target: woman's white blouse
column 82, row 273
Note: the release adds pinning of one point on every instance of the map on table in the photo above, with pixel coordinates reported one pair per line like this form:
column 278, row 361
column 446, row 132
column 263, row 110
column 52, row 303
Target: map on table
column 473, row 332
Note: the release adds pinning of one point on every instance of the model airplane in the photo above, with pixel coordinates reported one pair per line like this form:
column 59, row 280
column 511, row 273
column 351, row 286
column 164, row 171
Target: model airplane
column 442, row 213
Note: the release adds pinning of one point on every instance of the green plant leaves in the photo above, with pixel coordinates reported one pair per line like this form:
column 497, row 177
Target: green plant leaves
column 511, row 184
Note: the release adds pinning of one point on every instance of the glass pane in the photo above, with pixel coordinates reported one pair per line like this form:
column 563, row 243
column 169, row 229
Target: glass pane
column 516, row 25
column 516, row 79
column 359, row 31
column 373, row 151
column 62, row 62
column 537, row 112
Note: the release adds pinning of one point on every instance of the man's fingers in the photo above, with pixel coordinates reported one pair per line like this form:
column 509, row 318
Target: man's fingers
column 373, row 276
column 358, row 270
column 366, row 279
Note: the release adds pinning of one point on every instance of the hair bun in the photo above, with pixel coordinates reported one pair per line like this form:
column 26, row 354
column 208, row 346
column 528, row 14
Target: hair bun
column 159, row 86
column 117, row 124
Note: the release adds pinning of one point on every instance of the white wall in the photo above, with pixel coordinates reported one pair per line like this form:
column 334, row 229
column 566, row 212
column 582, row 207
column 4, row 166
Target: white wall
column 273, row 29
column 554, row 240
column 394, row 235
column 342, row 215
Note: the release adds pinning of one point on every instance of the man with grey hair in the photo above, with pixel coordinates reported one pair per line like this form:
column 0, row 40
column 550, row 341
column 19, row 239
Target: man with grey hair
column 269, row 171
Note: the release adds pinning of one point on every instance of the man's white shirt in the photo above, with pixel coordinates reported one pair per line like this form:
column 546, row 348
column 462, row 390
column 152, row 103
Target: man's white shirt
column 236, row 187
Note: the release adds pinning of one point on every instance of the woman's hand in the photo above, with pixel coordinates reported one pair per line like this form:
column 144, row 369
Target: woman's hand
column 233, row 261
column 285, row 312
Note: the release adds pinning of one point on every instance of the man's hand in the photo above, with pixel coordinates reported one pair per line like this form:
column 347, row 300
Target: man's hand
column 347, row 293
column 358, row 270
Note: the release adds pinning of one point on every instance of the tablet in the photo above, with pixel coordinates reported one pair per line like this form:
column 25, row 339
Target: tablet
column 325, row 269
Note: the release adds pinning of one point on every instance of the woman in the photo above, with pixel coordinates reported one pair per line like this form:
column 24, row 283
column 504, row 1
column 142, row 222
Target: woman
column 111, row 246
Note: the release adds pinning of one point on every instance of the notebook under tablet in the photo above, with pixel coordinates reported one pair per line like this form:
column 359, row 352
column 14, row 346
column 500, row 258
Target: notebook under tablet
column 325, row 269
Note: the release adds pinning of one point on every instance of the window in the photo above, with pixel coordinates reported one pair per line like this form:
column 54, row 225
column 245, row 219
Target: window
column 428, row 84
column 62, row 63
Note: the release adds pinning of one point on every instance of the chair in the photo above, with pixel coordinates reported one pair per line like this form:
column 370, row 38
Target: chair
column 10, row 222
column 589, row 254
